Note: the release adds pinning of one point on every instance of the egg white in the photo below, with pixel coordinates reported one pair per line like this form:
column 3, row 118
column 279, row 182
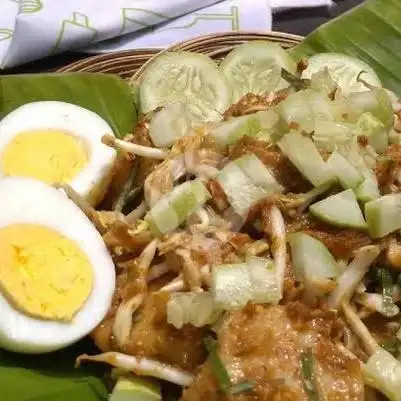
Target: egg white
column 84, row 124
column 24, row 200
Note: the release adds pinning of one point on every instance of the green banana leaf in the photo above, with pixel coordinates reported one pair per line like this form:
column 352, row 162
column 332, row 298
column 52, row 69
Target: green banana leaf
column 50, row 377
column 371, row 32
column 105, row 94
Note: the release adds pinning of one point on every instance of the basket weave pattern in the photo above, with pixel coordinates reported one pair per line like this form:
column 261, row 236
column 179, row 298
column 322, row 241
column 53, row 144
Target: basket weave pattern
column 132, row 63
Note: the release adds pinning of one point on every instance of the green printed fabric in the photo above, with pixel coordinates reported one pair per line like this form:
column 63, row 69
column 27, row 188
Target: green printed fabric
column 33, row 29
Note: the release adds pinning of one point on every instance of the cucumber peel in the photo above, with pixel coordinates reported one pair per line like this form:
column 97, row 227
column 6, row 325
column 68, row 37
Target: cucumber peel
column 341, row 210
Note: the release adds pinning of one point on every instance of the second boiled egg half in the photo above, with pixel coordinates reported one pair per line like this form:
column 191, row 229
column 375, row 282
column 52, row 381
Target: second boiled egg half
column 57, row 143
column 57, row 277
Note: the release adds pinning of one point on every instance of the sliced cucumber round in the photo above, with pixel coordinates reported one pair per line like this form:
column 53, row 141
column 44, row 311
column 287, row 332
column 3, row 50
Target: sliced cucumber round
column 341, row 210
column 184, row 76
column 256, row 68
column 344, row 70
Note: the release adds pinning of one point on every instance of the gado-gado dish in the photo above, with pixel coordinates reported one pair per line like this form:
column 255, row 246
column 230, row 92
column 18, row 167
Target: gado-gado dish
column 242, row 243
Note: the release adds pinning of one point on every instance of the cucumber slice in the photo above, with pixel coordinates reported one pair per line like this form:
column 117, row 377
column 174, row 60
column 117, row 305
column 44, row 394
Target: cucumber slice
column 304, row 155
column 175, row 207
column 169, row 124
column 311, row 260
column 185, row 76
column 256, row 68
column 348, row 176
column 131, row 388
column 258, row 173
column 341, row 210
column 383, row 215
column 344, row 70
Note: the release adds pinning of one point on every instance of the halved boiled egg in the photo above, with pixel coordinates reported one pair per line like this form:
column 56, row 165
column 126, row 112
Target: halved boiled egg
column 58, row 142
column 57, row 277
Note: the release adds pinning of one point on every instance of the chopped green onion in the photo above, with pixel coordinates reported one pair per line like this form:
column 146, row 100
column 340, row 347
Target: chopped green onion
column 241, row 388
column 220, row 371
column 307, row 362
column 387, row 286
column 294, row 81
column 218, row 367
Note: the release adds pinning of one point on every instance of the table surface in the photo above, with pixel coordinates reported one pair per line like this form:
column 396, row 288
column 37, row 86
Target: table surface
column 297, row 21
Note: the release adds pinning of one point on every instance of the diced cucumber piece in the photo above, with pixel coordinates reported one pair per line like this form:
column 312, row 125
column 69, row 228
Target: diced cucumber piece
column 341, row 210
column 175, row 207
column 304, row 107
column 383, row 372
column 133, row 388
column 182, row 76
column 258, row 173
column 368, row 190
column 383, row 215
column 306, row 158
column 256, row 67
column 240, row 190
column 169, row 124
column 197, row 309
column 233, row 286
column 377, row 102
column 264, row 279
column 327, row 135
column 344, row 70
column 311, row 260
column 375, row 130
column 348, row 176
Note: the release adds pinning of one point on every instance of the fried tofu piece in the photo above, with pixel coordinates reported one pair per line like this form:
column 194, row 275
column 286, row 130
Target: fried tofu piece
column 265, row 345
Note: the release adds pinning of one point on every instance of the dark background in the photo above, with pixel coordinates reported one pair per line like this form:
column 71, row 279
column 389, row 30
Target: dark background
column 298, row 21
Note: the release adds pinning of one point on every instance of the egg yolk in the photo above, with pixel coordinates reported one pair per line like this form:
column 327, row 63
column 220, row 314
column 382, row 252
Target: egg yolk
column 51, row 156
column 42, row 273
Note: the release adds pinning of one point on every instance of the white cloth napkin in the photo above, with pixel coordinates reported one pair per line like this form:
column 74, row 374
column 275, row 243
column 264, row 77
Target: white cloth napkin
column 33, row 29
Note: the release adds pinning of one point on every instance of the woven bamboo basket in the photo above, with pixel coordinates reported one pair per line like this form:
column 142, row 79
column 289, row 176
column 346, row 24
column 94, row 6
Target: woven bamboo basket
column 132, row 64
